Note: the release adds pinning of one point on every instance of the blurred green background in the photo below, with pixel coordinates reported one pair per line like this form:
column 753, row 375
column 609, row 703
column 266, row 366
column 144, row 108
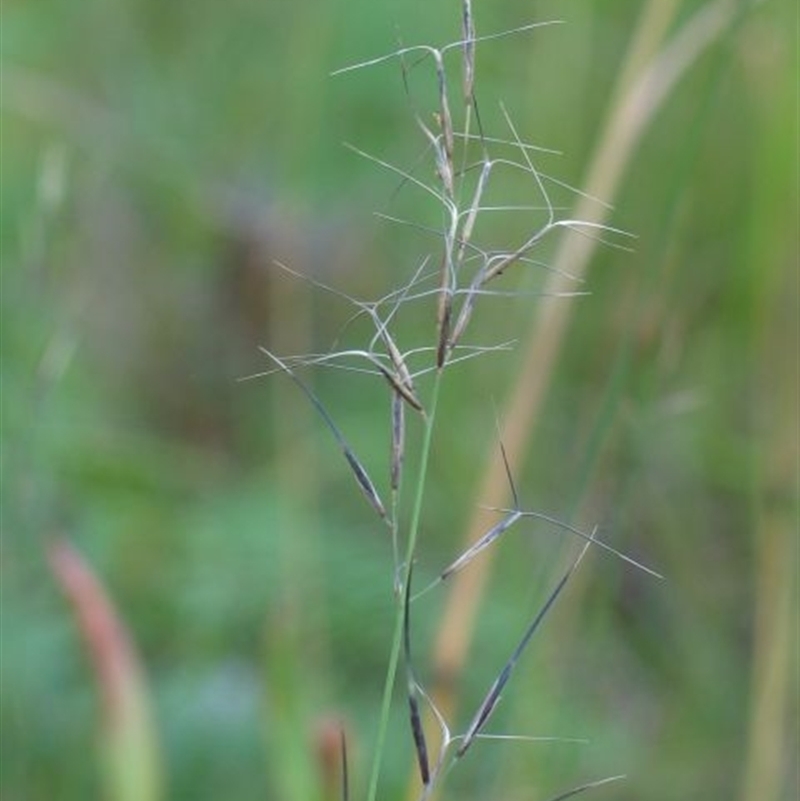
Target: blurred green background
column 156, row 157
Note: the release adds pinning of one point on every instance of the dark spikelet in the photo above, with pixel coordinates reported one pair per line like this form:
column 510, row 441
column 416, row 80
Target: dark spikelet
column 485, row 710
column 398, row 362
column 493, row 696
column 364, row 481
column 361, row 476
column 445, row 311
column 398, row 439
column 468, row 29
column 402, row 389
column 417, row 730
column 484, row 542
column 407, row 617
column 419, row 739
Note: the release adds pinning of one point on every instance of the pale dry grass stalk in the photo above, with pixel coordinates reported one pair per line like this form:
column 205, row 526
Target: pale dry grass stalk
column 767, row 767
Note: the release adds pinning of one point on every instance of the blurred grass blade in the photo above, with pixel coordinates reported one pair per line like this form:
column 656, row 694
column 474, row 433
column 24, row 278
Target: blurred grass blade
column 128, row 739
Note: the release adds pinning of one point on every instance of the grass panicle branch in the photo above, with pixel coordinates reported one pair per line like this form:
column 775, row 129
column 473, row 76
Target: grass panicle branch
column 492, row 698
column 584, row 787
column 466, row 166
column 365, row 483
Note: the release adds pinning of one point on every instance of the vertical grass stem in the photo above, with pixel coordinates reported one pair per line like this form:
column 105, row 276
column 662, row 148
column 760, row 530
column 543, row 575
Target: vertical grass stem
column 397, row 637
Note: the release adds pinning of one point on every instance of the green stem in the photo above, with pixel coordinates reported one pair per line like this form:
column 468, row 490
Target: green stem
column 394, row 657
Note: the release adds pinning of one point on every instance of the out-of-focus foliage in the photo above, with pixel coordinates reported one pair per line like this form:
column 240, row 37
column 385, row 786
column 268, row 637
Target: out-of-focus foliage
column 156, row 157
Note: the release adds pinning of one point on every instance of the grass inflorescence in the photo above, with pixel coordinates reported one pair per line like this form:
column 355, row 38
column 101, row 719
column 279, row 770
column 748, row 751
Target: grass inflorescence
column 461, row 164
